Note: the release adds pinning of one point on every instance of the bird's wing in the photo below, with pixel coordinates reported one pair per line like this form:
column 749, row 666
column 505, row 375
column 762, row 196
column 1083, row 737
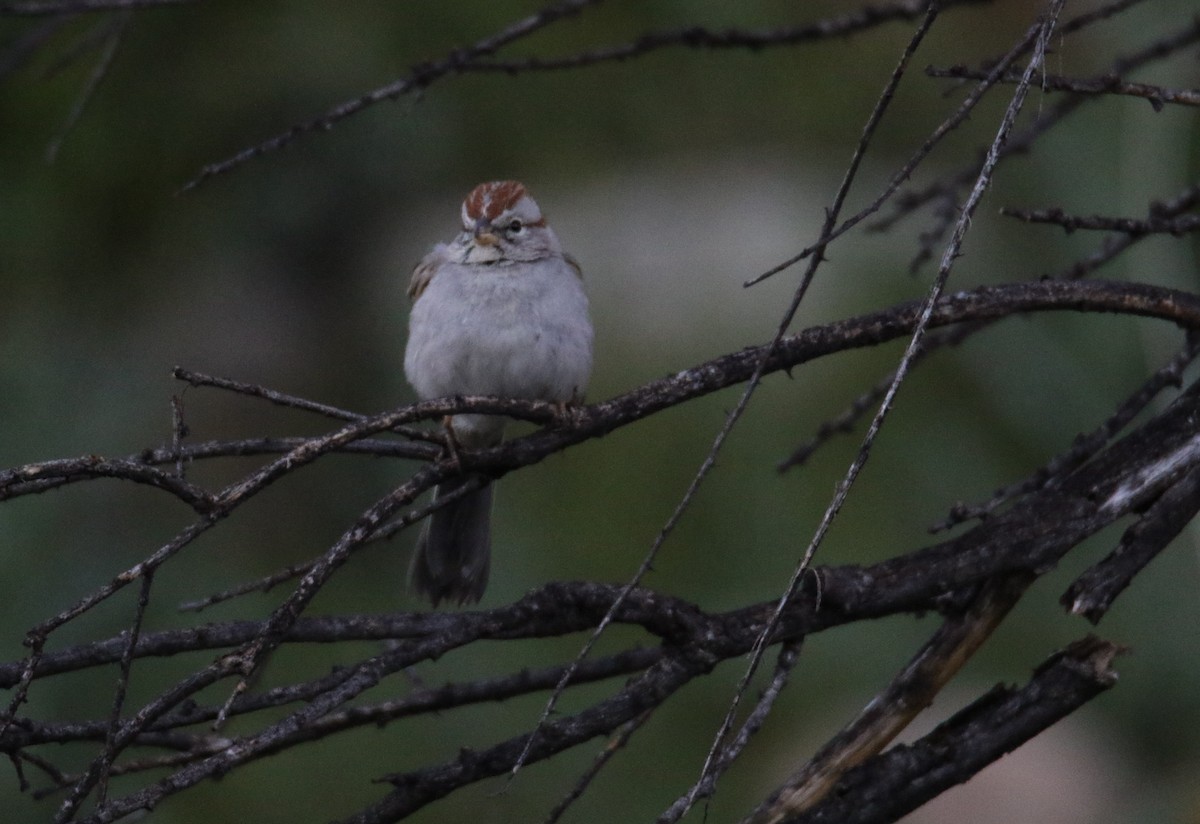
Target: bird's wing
column 574, row 264
column 423, row 272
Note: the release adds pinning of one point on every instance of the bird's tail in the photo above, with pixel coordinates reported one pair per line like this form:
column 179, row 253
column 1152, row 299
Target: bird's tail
column 454, row 548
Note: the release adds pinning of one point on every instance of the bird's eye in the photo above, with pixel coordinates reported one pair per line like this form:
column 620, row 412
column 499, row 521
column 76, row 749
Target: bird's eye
column 516, row 227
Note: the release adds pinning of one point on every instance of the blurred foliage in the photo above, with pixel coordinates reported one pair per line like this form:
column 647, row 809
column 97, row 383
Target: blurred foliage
column 674, row 177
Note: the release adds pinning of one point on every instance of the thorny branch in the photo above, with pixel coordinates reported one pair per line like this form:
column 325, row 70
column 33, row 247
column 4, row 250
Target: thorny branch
column 1149, row 476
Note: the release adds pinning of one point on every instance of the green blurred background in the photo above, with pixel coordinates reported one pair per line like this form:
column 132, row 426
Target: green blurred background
column 672, row 178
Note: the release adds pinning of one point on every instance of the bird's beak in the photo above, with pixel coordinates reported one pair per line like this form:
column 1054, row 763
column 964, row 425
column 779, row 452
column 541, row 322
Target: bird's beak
column 483, row 233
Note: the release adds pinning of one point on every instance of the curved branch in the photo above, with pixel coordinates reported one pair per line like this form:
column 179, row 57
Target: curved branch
column 43, row 476
column 984, row 303
column 39, row 477
column 475, row 58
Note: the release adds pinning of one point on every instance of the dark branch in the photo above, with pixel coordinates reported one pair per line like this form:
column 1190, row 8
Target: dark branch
column 910, row 692
column 1177, row 225
column 698, row 37
column 1086, row 445
column 946, row 189
column 1108, row 84
column 420, row 78
column 1109, row 249
column 477, row 58
column 1094, row 592
column 1030, row 537
column 892, row 784
column 42, row 8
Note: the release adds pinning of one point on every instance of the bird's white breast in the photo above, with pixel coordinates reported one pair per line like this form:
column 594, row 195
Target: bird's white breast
column 518, row 330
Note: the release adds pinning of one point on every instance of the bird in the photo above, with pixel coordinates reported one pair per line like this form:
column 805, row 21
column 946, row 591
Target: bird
column 500, row 310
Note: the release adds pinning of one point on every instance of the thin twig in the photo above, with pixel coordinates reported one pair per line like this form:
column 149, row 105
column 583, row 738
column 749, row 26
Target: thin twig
column 789, row 655
column 135, row 765
column 109, row 753
column 908, row 202
column 1106, row 85
column 827, row 234
column 905, row 172
column 54, row 773
column 479, row 58
column 726, row 371
column 1040, row 32
column 236, row 493
column 35, row 478
column 179, row 431
column 1133, row 226
column 128, row 732
column 41, row 8
column 39, row 477
column 116, row 28
column 615, row 744
column 276, row 397
column 419, row 79
column 698, row 37
column 752, row 384
column 1110, row 248
column 291, row 401
column 37, row 645
column 265, row 584
column 1098, row 494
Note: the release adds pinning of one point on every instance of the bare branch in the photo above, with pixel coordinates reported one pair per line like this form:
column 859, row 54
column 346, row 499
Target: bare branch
column 1109, row 249
column 476, row 58
column 614, row 745
column 1043, row 30
column 789, row 655
column 1117, row 482
column 42, row 8
column 39, row 477
column 420, row 78
column 112, row 32
column 599, row 419
column 1106, row 85
column 953, row 122
column 946, row 189
column 1086, row 445
column 1093, row 592
column 892, row 784
column 889, row 713
column 1177, row 225
column 104, row 761
column 711, row 765
column 698, row 37
column 1139, row 472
